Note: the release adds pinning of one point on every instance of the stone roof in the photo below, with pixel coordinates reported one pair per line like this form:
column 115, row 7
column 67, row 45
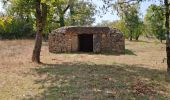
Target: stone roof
column 81, row 30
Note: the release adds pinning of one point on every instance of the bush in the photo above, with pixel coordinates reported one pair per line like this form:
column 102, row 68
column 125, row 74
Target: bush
column 15, row 28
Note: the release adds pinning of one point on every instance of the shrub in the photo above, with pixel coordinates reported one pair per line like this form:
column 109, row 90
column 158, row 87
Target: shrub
column 15, row 28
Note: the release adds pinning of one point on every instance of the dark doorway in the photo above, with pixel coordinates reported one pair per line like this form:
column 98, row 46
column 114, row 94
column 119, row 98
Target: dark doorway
column 86, row 42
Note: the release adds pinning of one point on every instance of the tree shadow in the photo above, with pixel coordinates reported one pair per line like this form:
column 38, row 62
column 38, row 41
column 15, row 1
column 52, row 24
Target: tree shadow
column 127, row 52
column 89, row 81
column 142, row 41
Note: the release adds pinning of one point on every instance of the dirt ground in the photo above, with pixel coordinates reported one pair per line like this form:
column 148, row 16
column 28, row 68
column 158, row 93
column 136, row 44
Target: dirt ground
column 138, row 74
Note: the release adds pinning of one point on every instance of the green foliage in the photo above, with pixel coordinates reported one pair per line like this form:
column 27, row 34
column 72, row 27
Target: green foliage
column 154, row 21
column 83, row 13
column 21, row 8
column 130, row 22
column 105, row 23
column 60, row 13
column 121, row 26
column 138, row 29
column 13, row 28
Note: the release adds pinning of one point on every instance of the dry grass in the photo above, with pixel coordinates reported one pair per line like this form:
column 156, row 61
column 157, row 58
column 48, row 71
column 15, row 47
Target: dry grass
column 139, row 74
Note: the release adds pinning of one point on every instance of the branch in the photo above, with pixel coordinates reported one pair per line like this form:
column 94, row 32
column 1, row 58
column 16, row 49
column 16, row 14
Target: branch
column 44, row 14
column 66, row 8
column 127, row 2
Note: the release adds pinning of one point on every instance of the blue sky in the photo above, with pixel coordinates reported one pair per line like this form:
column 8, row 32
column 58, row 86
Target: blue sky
column 113, row 16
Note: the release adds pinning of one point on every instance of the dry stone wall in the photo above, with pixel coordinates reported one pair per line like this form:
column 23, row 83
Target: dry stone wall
column 104, row 39
column 59, row 43
column 114, row 41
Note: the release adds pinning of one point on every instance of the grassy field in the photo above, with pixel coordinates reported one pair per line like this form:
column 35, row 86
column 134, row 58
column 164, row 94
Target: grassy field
column 137, row 75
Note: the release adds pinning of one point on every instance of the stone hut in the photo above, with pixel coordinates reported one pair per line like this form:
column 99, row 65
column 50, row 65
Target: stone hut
column 86, row 39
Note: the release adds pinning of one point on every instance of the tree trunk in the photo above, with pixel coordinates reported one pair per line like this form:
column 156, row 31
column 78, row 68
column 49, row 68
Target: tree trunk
column 39, row 29
column 38, row 43
column 137, row 38
column 72, row 15
column 130, row 37
column 161, row 40
column 168, row 38
column 41, row 16
column 62, row 23
column 62, row 12
column 44, row 14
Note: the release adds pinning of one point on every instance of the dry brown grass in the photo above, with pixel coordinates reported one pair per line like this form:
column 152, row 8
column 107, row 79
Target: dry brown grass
column 113, row 75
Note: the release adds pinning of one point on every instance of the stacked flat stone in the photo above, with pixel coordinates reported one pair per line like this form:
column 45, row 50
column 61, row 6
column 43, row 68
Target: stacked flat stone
column 66, row 39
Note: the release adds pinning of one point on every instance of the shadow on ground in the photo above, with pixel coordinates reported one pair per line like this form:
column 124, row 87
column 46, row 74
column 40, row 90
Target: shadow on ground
column 142, row 41
column 127, row 52
column 88, row 81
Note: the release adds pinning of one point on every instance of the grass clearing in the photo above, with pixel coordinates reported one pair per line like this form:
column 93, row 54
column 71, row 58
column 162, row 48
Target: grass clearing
column 139, row 74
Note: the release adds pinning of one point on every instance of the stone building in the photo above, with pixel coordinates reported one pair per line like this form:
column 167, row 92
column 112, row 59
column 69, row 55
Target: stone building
column 86, row 39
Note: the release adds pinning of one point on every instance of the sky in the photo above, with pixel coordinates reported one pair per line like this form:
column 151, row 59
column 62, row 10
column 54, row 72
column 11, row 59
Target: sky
column 1, row 10
column 112, row 16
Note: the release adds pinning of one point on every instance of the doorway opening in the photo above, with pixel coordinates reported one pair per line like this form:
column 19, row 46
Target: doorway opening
column 86, row 42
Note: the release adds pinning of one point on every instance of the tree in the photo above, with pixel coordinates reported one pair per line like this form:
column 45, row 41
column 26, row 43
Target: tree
column 24, row 9
column 167, row 14
column 14, row 28
column 41, row 16
column 121, row 26
column 105, row 23
column 154, row 19
column 61, row 7
column 131, row 19
column 167, row 29
column 81, row 13
column 39, row 8
column 129, row 14
column 40, row 11
column 139, row 29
